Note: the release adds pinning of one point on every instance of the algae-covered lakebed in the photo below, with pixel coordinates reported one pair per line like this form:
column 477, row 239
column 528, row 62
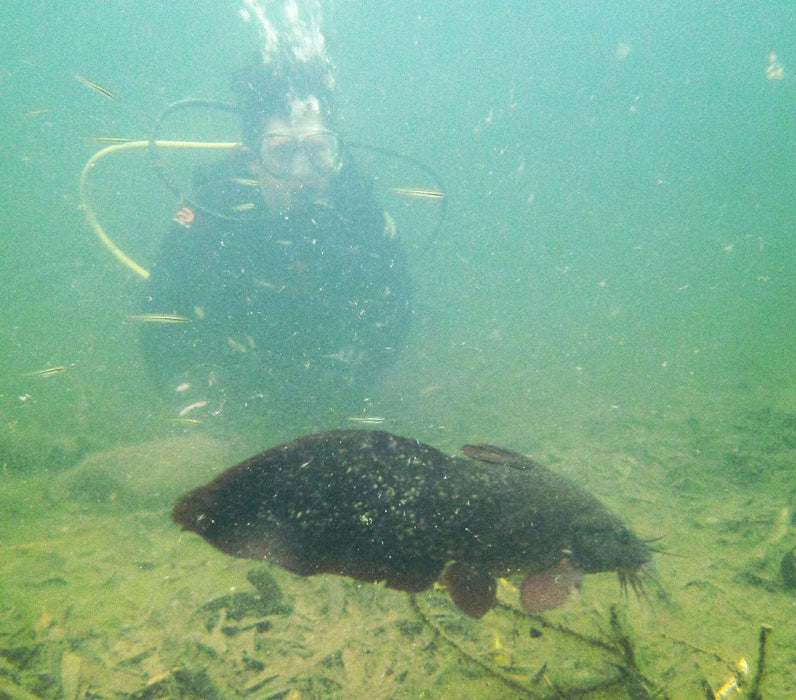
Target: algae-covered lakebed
column 104, row 597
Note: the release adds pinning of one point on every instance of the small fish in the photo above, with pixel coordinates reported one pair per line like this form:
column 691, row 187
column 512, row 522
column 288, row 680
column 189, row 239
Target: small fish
column 235, row 345
column 367, row 420
column 108, row 139
column 264, row 284
column 159, row 318
column 244, row 207
column 246, row 181
column 192, row 407
column 49, row 372
column 417, row 192
column 98, row 88
column 186, row 421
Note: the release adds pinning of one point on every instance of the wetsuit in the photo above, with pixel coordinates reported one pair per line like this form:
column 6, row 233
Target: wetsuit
column 286, row 315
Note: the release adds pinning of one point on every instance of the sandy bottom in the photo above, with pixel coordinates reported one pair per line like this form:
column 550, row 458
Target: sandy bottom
column 101, row 596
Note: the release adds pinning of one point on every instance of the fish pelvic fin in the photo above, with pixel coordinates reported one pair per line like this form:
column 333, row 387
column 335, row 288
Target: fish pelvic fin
column 472, row 588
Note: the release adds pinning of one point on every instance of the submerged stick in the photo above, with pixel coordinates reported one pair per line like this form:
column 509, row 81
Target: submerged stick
column 516, row 686
column 637, row 681
column 558, row 627
column 754, row 690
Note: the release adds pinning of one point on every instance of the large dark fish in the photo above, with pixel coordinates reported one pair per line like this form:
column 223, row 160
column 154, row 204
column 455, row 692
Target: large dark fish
column 378, row 507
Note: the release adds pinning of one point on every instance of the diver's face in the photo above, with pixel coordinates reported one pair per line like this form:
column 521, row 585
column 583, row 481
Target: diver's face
column 298, row 156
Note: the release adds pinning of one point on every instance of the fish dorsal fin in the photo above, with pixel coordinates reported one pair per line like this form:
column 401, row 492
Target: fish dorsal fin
column 490, row 454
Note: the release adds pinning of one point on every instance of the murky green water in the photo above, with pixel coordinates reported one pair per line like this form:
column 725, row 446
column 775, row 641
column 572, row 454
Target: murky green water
column 611, row 290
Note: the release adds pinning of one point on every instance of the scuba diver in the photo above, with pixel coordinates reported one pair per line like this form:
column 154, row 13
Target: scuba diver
column 282, row 286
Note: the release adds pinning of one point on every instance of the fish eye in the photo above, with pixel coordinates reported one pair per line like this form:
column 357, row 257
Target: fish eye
column 623, row 535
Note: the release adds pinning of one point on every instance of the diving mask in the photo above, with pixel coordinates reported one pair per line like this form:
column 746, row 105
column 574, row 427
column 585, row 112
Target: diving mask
column 308, row 154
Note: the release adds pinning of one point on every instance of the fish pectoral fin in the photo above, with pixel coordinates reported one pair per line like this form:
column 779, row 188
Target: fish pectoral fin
column 471, row 587
column 545, row 590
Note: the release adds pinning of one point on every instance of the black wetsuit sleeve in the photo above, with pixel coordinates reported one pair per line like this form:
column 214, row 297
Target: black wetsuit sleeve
column 182, row 273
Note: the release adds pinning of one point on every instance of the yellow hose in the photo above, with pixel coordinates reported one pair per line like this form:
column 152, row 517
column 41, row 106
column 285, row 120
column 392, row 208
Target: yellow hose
column 91, row 217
